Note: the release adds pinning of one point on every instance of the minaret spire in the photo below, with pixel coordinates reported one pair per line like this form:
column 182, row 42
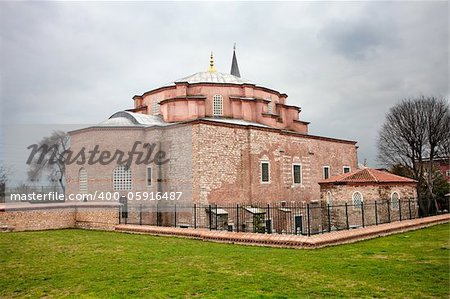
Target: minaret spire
column 234, row 64
column 211, row 69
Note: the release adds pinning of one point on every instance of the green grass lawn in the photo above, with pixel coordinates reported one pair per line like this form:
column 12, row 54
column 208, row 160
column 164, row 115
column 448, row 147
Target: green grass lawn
column 81, row 263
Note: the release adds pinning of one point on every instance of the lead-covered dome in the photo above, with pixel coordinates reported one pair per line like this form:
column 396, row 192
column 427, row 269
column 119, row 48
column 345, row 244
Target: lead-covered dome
column 130, row 119
column 212, row 77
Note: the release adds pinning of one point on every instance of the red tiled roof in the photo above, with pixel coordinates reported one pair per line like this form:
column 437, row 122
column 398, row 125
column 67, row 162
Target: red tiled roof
column 367, row 175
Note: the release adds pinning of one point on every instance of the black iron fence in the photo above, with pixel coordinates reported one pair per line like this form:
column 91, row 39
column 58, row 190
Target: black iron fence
column 294, row 218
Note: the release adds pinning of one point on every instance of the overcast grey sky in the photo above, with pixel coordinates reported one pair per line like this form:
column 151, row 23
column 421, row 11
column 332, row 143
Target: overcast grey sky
column 344, row 63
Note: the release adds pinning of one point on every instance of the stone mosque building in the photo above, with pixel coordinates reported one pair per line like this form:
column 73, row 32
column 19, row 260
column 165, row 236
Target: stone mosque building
column 227, row 140
column 216, row 151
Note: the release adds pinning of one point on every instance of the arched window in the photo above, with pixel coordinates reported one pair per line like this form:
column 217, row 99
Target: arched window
column 329, row 197
column 357, row 200
column 395, row 200
column 122, row 178
column 82, row 181
column 155, row 107
column 217, row 105
column 297, row 173
column 265, row 172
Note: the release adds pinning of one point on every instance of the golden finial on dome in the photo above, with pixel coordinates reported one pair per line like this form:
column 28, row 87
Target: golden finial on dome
column 211, row 69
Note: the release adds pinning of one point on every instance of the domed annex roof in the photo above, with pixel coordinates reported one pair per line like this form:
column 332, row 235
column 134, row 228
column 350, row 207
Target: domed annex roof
column 130, row 119
column 117, row 122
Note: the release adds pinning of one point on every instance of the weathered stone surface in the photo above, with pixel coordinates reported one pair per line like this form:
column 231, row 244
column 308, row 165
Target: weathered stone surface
column 218, row 163
column 58, row 216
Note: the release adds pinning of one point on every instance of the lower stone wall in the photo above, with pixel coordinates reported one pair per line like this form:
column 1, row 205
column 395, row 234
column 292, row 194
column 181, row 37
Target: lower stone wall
column 288, row 241
column 58, row 216
column 373, row 213
column 37, row 219
column 96, row 218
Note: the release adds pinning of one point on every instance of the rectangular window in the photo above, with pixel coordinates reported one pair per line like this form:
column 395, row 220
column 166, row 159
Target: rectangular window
column 297, row 173
column 149, row 176
column 346, row 169
column 217, row 105
column 265, row 172
column 326, row 172
column 122, row 178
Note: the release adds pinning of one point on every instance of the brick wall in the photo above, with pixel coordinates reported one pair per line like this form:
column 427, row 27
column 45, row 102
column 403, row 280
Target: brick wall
column 227, row 164
column 218, row 163
column 96, row 217
column 58, row 216
column 377, row 203
column 370, row 192
column 176, row 175
column 37, row 218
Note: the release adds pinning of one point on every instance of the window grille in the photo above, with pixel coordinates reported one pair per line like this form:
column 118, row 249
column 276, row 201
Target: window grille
column 395, row 200
column 122, row 178
column 357, row 200
column 217, row 105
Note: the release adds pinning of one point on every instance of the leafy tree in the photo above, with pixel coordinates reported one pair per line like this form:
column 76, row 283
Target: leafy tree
column 441, row 186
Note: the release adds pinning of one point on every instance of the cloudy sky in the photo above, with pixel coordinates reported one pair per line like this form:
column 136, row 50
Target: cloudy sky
column 344, row 63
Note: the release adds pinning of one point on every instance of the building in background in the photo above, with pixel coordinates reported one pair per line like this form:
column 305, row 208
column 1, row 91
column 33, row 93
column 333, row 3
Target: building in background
column 442, row 165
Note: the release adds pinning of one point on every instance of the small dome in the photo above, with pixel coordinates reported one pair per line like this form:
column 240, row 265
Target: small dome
column 117, row 122
column 130, row 119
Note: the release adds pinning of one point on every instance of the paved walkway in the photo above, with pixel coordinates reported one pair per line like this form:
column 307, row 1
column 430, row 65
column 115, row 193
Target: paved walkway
column 288, row 241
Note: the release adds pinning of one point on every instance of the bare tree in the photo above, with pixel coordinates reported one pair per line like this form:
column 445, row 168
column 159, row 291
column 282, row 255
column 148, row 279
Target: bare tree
column 4, row 173
column 437, row 114
column 416, row 132
column 48, row 158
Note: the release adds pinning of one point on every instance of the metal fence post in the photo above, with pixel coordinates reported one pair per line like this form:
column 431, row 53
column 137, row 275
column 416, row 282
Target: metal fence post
column 409, row 207
column 237, row 217
column 120, row 214
column 362, row 213
column 346, row 215
column 195, row 215
column 210, row 217
column 376, row 213
column 309, row 222
column 329, row 217
column 400, row 209
column 140, row 214
column 157, row 215
column 217, row 224
column 126, row 214
column 175, row 207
